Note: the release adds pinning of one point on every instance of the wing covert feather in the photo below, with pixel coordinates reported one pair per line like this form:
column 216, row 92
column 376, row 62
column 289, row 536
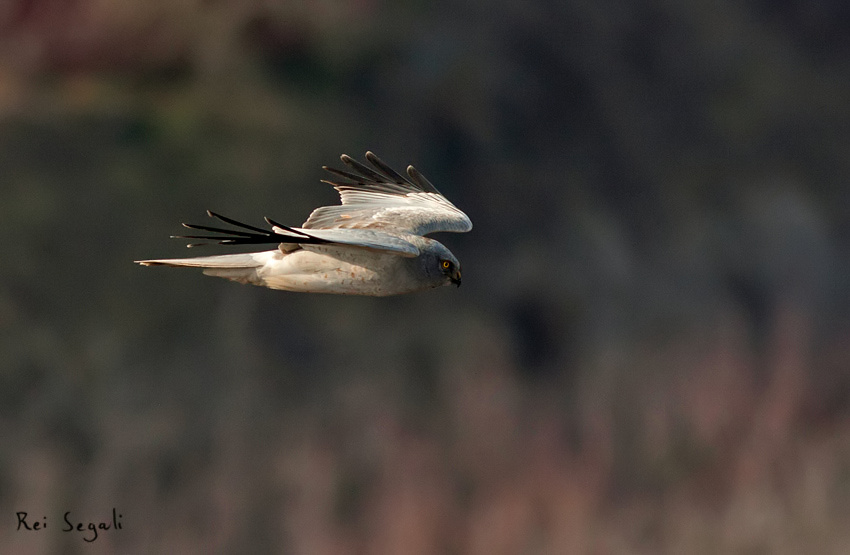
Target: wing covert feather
column 381, row 198
column 364, row 238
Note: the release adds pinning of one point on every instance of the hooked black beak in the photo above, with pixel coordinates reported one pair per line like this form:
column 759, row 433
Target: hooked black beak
column 455, row 279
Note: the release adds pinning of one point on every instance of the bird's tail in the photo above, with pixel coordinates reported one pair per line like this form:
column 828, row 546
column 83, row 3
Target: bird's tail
column 236, row 267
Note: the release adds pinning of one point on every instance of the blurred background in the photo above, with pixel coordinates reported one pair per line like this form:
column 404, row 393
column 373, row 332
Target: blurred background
column 650, row 352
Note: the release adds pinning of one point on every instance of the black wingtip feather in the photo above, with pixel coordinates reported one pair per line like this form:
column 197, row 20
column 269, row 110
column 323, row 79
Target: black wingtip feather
column 365, row 171
column 222, row 230
column 231, row 221
column 382, row 166
column 385, row 179
column 280, row 225
column 421, row 180
column 256, row 236
column 344, row 174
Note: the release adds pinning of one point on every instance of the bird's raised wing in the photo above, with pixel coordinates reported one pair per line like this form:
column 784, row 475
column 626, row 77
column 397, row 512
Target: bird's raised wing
column 381, row 198
column 280, row 234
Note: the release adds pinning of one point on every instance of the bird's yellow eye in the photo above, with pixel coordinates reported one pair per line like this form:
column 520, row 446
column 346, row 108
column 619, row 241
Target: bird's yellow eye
column 446, row 264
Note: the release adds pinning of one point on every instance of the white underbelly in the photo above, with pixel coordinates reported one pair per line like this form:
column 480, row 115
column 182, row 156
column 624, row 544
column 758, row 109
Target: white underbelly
column 341, row 271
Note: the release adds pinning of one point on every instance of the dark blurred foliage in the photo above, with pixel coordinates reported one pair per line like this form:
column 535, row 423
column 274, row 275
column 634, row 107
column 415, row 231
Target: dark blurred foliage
column 650, row 352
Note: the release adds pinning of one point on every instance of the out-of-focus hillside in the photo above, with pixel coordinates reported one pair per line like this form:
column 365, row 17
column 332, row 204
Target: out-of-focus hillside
column 650, row 352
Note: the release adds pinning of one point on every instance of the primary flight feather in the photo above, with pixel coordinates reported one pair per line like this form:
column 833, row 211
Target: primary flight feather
column 372, row 244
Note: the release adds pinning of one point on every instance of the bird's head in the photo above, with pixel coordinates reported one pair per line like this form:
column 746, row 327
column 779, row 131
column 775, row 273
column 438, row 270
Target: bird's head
column 451, row 269
column 439, row 264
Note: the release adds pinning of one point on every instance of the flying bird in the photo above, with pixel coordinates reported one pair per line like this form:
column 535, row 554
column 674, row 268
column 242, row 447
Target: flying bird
column 372, row 244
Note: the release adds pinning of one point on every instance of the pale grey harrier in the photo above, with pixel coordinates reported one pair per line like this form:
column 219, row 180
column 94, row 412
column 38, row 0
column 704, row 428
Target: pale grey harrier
column 372, row 244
